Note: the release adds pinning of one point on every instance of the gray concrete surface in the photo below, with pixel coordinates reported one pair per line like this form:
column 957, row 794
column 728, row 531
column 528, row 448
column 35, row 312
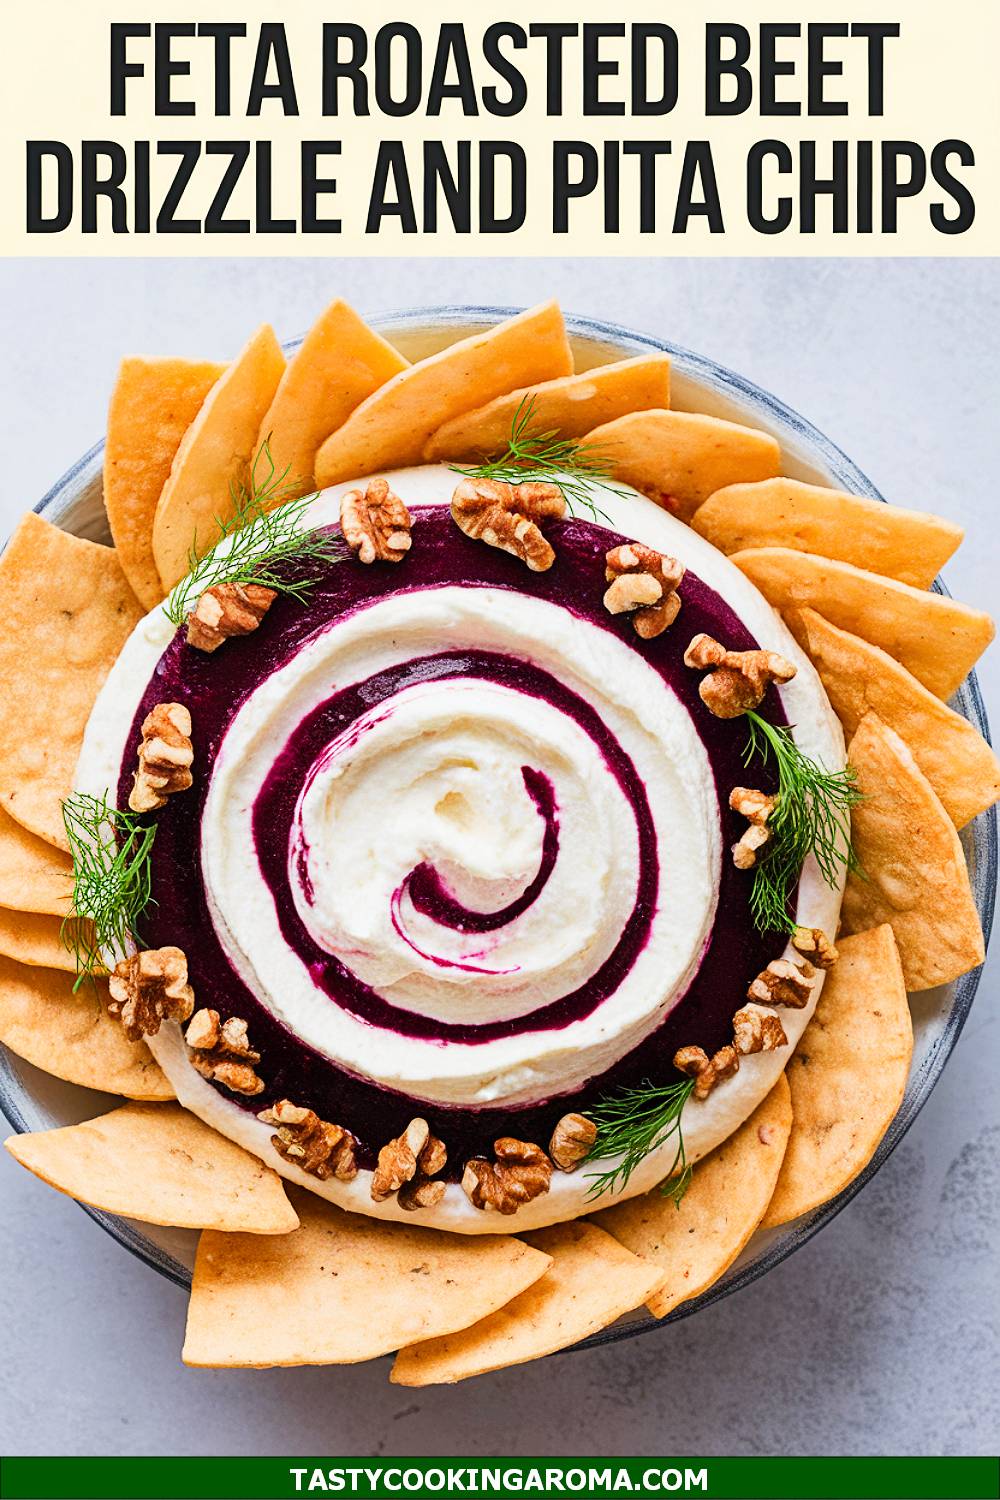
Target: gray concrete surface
column 881, row 1336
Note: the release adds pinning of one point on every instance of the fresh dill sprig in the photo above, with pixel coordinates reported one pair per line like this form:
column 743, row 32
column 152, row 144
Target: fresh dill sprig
column 532, row 456
column 631, row 1123
column 812, row 816
column 263, row 541
column 112, row 879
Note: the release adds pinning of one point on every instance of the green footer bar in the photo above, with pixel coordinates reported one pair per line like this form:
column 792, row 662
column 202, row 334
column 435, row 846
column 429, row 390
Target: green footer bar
column 386, row 1479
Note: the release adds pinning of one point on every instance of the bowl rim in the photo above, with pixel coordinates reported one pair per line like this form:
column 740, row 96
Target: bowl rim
column 921, row 1084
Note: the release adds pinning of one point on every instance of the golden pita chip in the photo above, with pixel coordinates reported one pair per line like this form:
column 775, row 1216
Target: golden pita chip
column 694, row 1242
column 860, row 678
column 37, row 940
column 572, row 406
column 216, row 451
column 344, row 1288
column 67, row 612
column 679, row 458
column 591, row 1282
column 915, row 876
column 153, row 404
column 159, row 1164
column 33, row 875
column 904, row 544
column 847, row 1075
column 340, row 363
column 392, row 428
column 72, row 1036
column 935, row 638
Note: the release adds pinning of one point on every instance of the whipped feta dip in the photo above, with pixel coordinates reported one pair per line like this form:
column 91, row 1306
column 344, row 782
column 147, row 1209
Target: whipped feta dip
column 459, row 846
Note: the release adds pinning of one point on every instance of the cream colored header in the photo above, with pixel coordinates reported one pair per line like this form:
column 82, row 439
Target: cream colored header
column 558, row 128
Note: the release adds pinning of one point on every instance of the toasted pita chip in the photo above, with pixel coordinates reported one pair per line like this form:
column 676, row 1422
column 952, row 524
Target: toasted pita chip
column 67, row 611
column 392, row 428
column 572, row 406
column 160, row 1164
column 592, row 1281
column 340, row 363
column 847, row 1075
column 935, row 638
column 33, row 875
column 153, row 404
column 915, row 876
column 216, row 450
column 37, row 940
column 695, row 1242
column 344, row 1288
column 72, row 1036
column 859, row 677
column 679, row 458
column 904, row 544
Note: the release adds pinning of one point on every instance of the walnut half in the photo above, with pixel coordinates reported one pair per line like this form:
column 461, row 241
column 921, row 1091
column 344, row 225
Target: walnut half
column 757, row 808
column 148, row 988
column 309, row 1143
column 643, row 583
column 508, row 516
column 376, row 523
column 406, row 1166
column 225, row 610
column 221, row 1052
column 783, row 983
column 571, row 1140
column 165, row 757
column 757, row 1031
column 706, row 1071
column 520, row 1173
column 738, row 680
column 814, row 944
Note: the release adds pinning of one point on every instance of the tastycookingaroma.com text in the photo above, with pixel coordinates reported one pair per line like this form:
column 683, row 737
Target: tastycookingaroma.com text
column 483, row 1479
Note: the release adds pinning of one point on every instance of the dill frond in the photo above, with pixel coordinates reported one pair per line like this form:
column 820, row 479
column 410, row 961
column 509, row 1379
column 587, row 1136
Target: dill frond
column 532, row 456
column 263, row 541
column 812, row 816
column 112, row 879
column 631, row 1123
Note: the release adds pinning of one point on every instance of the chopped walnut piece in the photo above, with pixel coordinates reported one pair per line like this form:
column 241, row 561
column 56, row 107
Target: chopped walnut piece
column 571, row 1140
column 643, row 582
column 309, row 1143
column 757, row 1031
column 508, row 516
column 739, row 679
column 165, row 757
column 520, row 1173
column 227, row 609
column 397, row 1162
column 150, row 987
column 422, row 1192
column 757, row 808
column 815, row 945
column 707, row 1071
column 783, row 983
column 376, row 523
column 222, row 1052
column 411, row 1158
column 433, row 1158
column 203, row 1030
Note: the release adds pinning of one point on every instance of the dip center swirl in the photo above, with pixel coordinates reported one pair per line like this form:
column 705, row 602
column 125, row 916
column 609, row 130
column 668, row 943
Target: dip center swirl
column 427, row 806
column 429, row 895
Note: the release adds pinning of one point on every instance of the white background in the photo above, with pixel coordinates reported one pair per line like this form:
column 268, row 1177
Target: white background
column 881, row 1335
